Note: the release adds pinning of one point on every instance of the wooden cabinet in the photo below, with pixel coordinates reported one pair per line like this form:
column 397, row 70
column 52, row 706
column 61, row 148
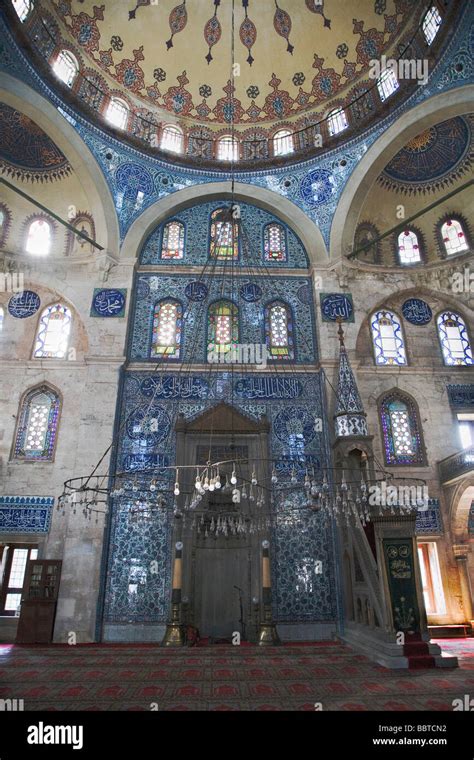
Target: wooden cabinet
column 38, row 605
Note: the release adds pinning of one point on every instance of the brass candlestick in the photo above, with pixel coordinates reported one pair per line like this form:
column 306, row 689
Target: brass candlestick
column 174, row 634
column 267, row 635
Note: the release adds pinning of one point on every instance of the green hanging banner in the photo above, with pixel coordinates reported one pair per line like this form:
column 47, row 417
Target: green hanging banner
column 399, row 561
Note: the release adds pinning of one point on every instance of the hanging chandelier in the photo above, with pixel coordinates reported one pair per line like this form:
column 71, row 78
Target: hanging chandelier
column 247, row 505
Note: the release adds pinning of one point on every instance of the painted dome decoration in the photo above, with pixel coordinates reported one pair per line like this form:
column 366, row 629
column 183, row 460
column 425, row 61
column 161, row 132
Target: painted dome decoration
column 433, row 159
column 26, row 152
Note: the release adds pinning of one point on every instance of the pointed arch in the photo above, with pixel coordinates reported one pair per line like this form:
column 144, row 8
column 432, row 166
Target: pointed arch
column 37, row 424
column 167, row 329
column 401, row 429
column 279, row 337
column 52, row 335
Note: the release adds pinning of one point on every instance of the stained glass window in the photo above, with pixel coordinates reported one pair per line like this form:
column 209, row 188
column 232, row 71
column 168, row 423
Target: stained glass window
column 408, row 247
column 38, row 238
column 172, row 246
column 223, row 327
column 453, row 236
column 274, row 242
column 66, row 67
column 228, row 148
column 167, row 327
column 454, row 339
column 283, row 143
column 172, row 139
column 388, row 339
column 37, row 425
column 279, row 331
column 431, row 23
column 337, row 121
column 224, row 242
column 387, row 83
column 117, row 113
column 53, row 332
column 400, row 429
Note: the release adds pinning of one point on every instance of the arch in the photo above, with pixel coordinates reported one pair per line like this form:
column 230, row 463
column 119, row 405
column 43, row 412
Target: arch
column 66, row 66
column 404, row 448
column 21, row 97
column 117, row 112
column 39, row 233
column 409, row 247
column 222, row 329
column 309, row 234
column 172, row 240
column 274, row 242
column 433, row 110
column 166, row 339
column 461, row 501
column 388, row 338
column 36, row 430
column 279, row 331
column 224, row 238
column 453, row 235
column 172, row 138
column 456, row 347
column 53, row 332
column 228, row 148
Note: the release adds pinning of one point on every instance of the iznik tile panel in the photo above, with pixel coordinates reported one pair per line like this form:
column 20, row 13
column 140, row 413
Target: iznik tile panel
column 197, row 224
column 25, row 514
column 291, row 404
column 150, row 289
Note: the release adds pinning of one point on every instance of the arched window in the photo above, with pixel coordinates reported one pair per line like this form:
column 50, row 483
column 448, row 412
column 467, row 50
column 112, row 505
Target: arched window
column 172, row 139
column 453, row 236
column 454, row 339
column 22, row 8
column 401, row 430
column 431, row 24
column 66, row 67
column 224, row 239
column 387, row 336
column 274, row 242
column 37, row 425
column 387, row 84
column 283, row 142
column 279, row 331
column 52, row 337
column 117, row 113
column 222, row 327
column 408, row 247
column 337, row 121
column 38, row 237
column 172, row 246
column 167, row 326
column 228, row 148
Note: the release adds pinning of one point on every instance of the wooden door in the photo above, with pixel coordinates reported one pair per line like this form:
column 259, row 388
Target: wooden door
column 38, row 608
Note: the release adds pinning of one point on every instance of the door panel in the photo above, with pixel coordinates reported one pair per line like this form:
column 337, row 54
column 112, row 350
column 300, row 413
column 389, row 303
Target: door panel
column 220, row 565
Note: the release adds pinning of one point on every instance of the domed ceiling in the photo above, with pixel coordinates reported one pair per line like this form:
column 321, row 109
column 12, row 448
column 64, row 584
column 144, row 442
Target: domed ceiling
column 292, row 55
column 431, row 168
column 26, row 152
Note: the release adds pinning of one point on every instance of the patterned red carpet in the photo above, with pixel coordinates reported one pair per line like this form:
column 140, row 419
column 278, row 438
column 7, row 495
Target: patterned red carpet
column 127, row 677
